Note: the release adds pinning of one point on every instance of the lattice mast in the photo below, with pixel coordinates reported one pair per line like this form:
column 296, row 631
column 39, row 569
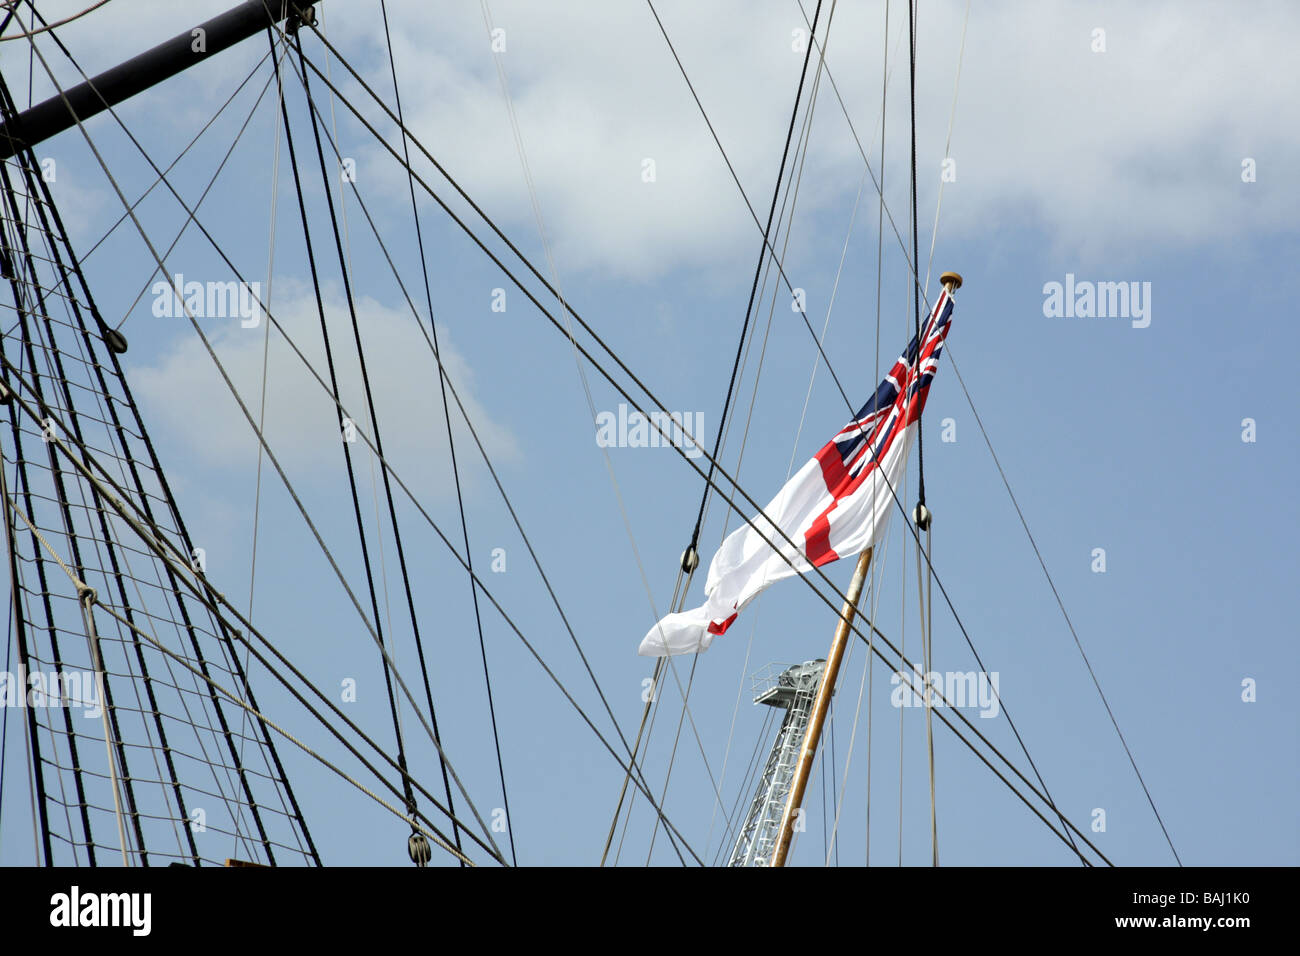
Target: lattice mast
column 793, row 689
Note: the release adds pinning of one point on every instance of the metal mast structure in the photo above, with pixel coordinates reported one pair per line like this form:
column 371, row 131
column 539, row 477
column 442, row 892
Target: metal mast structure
column 794, row 689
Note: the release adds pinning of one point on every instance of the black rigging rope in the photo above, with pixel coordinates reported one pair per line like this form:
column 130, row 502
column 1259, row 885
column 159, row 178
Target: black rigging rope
column 424, row 185
column 9, row 629
column 24, row 655
column 768, row 258
column 155, row 539
column 212, row 594
column 113, row 366
column 57, row 474
column 374, row 424
column 598, row 366
column 555, row 322
column 916, row 278
column 599, row 341
column 347, row 452
column 830, row 367
column 1069, row 623
column 216, row 596
column 621, row 364
column 496, row 479
column 179, row 156
column 753, row 289
column 451, row 441
column 42, row 205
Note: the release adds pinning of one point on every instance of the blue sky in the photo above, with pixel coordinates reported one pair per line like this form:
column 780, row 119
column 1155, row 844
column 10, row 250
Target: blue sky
column 1116, row 166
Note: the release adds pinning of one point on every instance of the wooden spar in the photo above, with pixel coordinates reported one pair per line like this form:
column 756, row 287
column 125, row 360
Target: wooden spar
column 821, row 704
column 66, row 108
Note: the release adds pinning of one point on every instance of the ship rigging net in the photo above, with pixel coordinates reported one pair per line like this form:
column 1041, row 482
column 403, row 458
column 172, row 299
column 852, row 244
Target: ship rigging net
column 146, row 763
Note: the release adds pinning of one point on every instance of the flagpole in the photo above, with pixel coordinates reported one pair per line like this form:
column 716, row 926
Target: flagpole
column 821, row 704
column 951, row 281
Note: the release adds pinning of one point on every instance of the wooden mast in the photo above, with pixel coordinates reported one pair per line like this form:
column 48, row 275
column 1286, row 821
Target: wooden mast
column 821, row 705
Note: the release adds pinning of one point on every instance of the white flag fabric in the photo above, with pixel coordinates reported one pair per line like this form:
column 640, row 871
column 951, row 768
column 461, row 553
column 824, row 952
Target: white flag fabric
column 836, row 505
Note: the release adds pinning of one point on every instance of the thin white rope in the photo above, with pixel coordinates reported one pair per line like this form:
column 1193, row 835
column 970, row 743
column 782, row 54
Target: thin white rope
column 929, row 709
column 35, row 31
column 86, row 598
column 792, row 198
column 887, row 71
column 947, row 148
column 878, row 129
column 266, row 330
column 803, row 143
column 876, row 559
column 902, row 638
column 925, row 612
column 731, row 731
column 266, row 338
column 237, row 817
column 877, row 183
column 16, row 612
column 365, row 409
column 653, row 710
column 927, row 607
column 548, row 250
column 266, row 349
column 748, row 785
column 880, row 285
column 789, row 470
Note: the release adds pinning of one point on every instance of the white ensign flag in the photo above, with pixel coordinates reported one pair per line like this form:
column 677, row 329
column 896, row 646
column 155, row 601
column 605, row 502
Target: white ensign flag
column 838, row 504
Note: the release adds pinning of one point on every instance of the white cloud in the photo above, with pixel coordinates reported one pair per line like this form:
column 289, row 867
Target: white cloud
column 183, row 394
column 1142, row 143
column 81, row 207
column 1098, row 151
